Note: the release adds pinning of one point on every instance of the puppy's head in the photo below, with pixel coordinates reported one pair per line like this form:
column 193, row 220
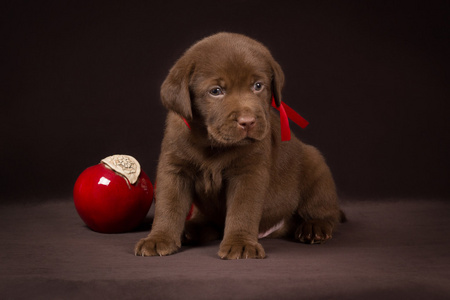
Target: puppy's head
column 225, row 82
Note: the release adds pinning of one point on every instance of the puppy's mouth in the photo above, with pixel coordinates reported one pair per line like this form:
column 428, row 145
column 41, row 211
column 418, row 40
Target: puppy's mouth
column 234, row 134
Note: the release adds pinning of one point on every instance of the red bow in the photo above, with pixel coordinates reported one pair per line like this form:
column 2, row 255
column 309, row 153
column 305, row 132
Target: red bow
column 287, row 113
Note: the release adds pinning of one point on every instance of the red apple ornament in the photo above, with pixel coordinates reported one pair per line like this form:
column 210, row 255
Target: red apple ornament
column 113, row 196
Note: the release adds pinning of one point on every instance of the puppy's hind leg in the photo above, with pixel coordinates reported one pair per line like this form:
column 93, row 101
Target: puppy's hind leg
column 317, row 221
column 318, row 207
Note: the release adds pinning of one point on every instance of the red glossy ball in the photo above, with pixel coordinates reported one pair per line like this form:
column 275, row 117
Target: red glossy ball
column 108, row 203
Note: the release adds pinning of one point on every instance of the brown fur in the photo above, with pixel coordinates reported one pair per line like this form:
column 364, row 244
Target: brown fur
column 232, row 164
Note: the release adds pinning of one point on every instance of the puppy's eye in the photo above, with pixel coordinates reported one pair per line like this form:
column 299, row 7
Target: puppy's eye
column 258, row 86
column 216, row 91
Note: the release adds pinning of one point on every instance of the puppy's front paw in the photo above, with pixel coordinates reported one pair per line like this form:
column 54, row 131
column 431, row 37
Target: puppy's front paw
column 314, row 231
column 152, row 246
column 240, row 250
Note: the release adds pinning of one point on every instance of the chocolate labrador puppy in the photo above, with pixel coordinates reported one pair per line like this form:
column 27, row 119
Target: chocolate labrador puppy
column 222, row 151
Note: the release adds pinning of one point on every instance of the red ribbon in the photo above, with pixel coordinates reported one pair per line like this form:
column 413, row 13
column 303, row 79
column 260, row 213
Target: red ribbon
column 187, row 124
column 286, row 113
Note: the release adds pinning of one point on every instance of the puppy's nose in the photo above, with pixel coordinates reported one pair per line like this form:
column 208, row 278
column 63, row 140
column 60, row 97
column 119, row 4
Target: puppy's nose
column 246, row 122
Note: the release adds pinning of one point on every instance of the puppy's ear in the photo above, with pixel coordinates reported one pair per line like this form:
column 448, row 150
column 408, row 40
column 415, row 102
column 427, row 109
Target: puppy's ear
column 175, row 93
column 277, row 81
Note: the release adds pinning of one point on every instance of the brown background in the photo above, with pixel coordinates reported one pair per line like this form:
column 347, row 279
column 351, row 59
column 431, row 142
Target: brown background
column 80, row 81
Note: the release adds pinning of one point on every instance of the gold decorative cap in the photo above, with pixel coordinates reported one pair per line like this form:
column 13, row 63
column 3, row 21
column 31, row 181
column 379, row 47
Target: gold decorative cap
column 125, row 165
